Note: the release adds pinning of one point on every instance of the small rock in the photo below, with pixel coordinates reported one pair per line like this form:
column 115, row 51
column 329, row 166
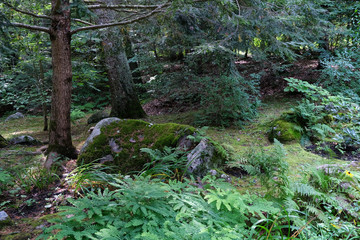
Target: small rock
column 24, row 140
column 3, row 216
column 213, row 172
column 14, row 116
column 4, row 219
column 226, row 177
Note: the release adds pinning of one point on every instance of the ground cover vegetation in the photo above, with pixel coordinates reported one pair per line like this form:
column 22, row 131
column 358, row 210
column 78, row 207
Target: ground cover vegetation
column 273, row 85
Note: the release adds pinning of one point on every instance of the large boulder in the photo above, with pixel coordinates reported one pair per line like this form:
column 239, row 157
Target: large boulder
column 15, row 116
column 117, row 144
column 24, row 140
column 3, row 142
column 98, row 116
column 284, row 131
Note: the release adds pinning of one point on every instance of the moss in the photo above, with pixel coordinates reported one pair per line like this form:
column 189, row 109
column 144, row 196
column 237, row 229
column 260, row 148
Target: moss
column 3, row 142
column 130, row 136
column 284, row 131
column 20, row 236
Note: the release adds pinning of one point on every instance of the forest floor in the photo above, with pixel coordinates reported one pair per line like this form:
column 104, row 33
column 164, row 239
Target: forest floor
column 30, row 208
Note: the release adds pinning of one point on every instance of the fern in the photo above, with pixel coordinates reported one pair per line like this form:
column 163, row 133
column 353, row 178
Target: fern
column 166, row 162
column 143, row 208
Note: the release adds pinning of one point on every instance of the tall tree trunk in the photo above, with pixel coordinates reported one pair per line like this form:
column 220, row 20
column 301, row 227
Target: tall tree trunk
column 124, row 100
column 60, row 126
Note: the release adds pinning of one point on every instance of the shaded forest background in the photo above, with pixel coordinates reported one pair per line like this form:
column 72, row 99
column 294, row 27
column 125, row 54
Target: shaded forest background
column 273, row 85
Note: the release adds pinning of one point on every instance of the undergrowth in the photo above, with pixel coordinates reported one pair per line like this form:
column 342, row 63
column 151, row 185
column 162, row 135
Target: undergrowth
column 324, row 204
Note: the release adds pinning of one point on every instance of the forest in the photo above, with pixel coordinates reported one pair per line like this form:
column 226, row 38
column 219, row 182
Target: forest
column 182, row 119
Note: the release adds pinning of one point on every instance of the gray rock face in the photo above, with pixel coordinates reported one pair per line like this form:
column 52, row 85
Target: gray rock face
column 14, row 116
column 97, row 130
column 24, row 140
column 98, row 116
column 200, row 158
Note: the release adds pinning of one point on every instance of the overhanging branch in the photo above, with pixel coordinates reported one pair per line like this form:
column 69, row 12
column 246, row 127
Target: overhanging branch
column 100, row 26
column 82, row 21
column 122, row 6
column 31, row 27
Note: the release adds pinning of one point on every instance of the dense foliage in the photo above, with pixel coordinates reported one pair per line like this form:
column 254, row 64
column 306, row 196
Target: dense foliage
column 186, row 55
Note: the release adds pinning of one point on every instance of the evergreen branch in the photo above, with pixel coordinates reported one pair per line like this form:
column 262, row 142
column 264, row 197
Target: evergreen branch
column 27, row 12
column 31, row 27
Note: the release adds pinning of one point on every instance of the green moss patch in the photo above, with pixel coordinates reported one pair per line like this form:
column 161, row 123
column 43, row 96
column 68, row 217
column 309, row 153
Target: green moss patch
column 124, row 139
column 284, row 131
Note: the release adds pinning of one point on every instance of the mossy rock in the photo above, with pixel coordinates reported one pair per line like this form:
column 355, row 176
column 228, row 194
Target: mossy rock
column 118, row 144
column 284, row 131
column 3, row 142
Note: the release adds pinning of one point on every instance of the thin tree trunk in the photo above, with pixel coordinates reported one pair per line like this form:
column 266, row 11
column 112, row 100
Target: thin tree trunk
column 60, row 128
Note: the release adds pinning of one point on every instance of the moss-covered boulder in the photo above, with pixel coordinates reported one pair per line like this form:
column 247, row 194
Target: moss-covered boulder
column 3, row 142
column 118, row 143
column 284, row 131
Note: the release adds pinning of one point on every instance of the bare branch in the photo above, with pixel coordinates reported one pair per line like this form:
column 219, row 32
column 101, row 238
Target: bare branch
column 31, row 27
column 159, row 9
column 27, row 12
column 82, row 21
column 104, row 6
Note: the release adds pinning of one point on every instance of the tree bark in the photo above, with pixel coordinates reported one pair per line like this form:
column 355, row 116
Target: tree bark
column 60, row 126
column 130, row 54
column 124, row 100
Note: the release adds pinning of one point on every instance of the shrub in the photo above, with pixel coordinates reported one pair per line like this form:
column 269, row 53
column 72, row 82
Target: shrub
column 227, row 100
column 341, row 73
